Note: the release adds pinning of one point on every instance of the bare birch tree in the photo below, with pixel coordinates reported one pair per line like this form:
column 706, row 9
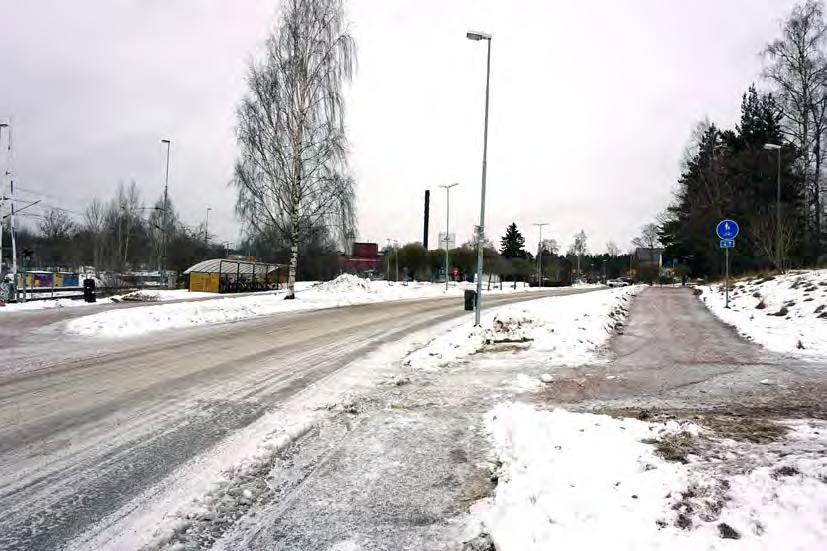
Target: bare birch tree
column 798, row 67
column 612, row 248
column 764, row 228
column 291, row 172
column 648, row 238
column 94, row 222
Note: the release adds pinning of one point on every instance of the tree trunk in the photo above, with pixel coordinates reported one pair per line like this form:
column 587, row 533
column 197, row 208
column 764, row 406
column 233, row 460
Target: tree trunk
column 294, row 257
column 816, row 194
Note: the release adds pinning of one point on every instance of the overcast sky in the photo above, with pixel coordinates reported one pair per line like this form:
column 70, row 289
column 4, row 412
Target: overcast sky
column 592, row 103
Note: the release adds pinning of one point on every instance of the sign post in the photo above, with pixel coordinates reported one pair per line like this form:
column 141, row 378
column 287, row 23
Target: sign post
column 727, row 231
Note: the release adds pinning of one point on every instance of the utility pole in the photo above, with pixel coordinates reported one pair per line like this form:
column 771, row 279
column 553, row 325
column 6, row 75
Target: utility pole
column 2, row 198
column 10, row 174
column 481, row 228
column 166, row 209
column 540, row 254
column 447, row 226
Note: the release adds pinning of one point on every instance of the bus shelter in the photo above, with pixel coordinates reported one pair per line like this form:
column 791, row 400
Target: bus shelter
column 225, row 275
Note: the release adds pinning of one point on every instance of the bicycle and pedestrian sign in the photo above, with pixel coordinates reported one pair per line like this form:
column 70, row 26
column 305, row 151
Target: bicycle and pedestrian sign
column 727, row 230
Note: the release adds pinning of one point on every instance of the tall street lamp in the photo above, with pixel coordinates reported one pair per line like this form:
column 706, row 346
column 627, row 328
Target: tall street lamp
column 396, row 258
column 447, row 225
column 471, row 35
column 776, row 147
column 166, row 209
column 2, row 199
column 207, row 227
column 540, row 254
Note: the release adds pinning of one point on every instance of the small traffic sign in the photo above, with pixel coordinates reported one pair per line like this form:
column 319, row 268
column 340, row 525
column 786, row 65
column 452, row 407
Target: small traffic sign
column 727, row 229
column 727, row 243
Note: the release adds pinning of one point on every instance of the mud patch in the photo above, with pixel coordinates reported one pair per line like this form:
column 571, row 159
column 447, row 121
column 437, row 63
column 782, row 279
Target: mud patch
column 676, row 447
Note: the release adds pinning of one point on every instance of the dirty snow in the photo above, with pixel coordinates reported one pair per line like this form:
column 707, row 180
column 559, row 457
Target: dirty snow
column 48, row 304
column 784, row 313
column 344, row 290
column 160, row 295
column 583, row 481
column 563, row 330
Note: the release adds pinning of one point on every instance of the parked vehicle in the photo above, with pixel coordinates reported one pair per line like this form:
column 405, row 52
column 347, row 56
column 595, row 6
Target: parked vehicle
column 616, row 283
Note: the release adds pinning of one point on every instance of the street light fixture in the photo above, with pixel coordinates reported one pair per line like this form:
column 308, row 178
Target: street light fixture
column 776, row 147
column 207, row 228
column 476, row 36
column 447, row 225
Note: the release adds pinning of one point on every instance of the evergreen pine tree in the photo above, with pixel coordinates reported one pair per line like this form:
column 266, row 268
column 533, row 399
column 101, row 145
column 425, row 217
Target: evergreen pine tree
column 512, row 243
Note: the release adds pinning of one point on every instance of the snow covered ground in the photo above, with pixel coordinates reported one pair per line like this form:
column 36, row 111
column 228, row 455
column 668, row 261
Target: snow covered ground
column 584, row 481
column 154, row 295
column 559, row 330
column 785, row 313
column 344, row 290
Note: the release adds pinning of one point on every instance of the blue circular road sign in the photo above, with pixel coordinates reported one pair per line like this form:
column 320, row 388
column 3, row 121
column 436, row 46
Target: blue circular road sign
column 727, row 229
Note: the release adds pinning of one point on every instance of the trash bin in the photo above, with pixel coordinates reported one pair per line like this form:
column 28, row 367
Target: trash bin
column 470, row 300
column 89, row 290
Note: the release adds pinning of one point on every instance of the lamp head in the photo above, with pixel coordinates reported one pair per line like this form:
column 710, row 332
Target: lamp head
column 475, row 35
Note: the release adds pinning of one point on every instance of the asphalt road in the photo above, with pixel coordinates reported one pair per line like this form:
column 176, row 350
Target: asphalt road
column 86, row 425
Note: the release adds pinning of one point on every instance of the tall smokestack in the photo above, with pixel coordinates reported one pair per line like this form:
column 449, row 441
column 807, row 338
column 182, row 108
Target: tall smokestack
column 427, row 214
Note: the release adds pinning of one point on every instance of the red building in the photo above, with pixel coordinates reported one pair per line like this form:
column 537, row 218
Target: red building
column 365, row 260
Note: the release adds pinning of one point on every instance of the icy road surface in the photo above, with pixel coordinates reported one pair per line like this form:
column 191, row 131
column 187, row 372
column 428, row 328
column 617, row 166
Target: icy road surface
column 85, row 426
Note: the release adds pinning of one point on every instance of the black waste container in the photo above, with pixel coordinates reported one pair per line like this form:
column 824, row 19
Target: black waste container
column 470, row 300
column 89, row 290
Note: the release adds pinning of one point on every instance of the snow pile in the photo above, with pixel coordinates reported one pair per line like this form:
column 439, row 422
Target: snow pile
column 561, row 330
column 160, row 295
column 584, row 481
column 785, row 313
column 138, row 296
column 345, row 284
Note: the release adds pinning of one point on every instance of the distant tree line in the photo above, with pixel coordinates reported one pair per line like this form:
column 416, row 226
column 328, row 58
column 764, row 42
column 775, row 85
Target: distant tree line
column 511, row 262
column 121, row 234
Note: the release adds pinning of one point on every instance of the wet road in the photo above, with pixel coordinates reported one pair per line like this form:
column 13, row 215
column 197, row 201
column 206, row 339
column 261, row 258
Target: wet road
column 81, row 436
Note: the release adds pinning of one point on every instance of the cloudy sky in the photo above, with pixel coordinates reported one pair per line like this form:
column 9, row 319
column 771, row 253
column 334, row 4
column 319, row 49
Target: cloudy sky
column 592, row 103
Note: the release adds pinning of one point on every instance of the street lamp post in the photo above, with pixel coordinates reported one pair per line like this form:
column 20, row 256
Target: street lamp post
column 540, row 254
column 207, row 228
column 396, row 258
column 388, row 261
column 776, row 147
column 447, row 226
column 2, row 199
column 166, row 209
column 471, row 35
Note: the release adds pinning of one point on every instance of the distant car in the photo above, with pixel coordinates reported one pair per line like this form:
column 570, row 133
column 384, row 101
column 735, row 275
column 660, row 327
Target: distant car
column 616, row 283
